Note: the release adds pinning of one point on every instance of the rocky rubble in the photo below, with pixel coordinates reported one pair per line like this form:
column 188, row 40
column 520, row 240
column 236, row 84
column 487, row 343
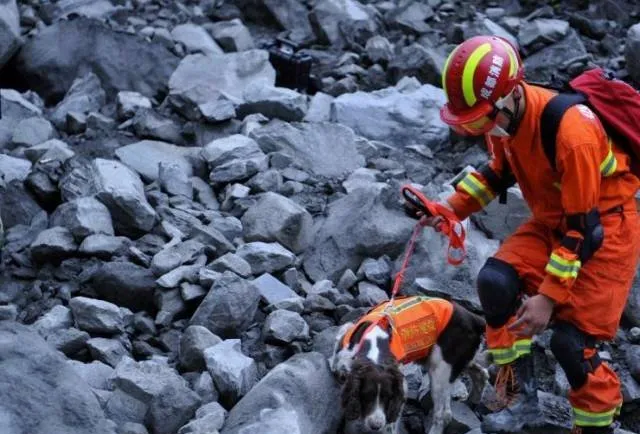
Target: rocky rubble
column 183, row 236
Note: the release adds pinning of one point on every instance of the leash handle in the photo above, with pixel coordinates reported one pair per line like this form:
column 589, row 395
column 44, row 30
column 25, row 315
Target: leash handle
column 450, row 226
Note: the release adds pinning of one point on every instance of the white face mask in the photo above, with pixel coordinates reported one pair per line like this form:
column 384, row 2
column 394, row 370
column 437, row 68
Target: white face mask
column 498, row 131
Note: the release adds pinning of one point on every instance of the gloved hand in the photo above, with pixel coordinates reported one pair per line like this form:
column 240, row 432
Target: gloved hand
column 425, row 220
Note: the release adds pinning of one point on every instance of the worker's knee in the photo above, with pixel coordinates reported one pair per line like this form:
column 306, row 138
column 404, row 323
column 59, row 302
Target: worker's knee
column 567, row 345
column 499, row 287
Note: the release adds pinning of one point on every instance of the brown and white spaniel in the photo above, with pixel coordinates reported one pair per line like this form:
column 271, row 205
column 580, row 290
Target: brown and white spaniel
column 443, row 337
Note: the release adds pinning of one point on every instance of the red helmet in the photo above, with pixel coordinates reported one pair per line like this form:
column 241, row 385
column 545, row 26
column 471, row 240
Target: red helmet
column 477, row 74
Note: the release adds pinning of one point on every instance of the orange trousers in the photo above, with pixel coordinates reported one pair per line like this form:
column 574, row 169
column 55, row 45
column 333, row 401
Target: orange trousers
column 597, row 300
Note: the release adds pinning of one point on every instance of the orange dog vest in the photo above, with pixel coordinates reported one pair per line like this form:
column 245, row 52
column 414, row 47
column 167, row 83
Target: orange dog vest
column 415, row 321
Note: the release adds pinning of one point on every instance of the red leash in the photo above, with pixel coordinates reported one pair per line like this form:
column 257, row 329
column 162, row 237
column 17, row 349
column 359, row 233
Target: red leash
column 449, row 226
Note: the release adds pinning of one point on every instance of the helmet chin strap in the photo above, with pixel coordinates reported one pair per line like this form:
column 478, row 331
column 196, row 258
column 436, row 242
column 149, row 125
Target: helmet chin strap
column 512, row 115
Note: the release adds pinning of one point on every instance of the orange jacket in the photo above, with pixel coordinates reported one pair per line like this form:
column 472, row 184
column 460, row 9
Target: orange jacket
column 416, row 322
column 591, row 172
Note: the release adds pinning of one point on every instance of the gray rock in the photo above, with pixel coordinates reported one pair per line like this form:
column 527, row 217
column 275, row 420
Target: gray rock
column 205, row 388
column 96, row 316
column 109, row 351
column 85, row 94
column 12, row 168
column 8, row 312
column 229, row 307
column 463, row 419
column 632, row 355
column 17, row 206
column 213, row 237
column 365, row 223
column 57, row 319
column 96, row 374
column 234, row 158
column 175, row 277
column 192, row 292
column 292, row 15
column 541, row 32
column 122, row 191
column 232, row 35
column 32, row 131
column 272, row 290
column 233, row 373
column 331, row 21
column 53, row 245
column 170, row 305
column 322, row 149
column 69, row 341
column 379, row 49
column 403, row 115
column 486, row 26
column 370, row 295
column 123, row 408
column 148, row 124
column 51, row 149
column 37, row 380
column 283, row 326
column 418, row 61
column 542, row 65
column 632, row 52
column 129, row 103
column 555, row 415
column 231, row 262
column 179, row 254
column 195, row 39
column 133, row 428
column 273, row 102
column 174, row 181
column 102, row 246
column 83, row 217
column 266, row 257
column 10, row 39
column 165, row 397
column 498, row 220
column 307, row 396
column 195, row 340
column 125, row 284
column 228, row 74
column 412, row 17
column 146, row 156
column 204, row 193
column 319, row 108
column 51, row 60
column 277, row 218
column 14, row 109
column 52, row 12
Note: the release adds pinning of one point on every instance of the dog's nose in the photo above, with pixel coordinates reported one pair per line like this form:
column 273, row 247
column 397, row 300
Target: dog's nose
column 376, row 425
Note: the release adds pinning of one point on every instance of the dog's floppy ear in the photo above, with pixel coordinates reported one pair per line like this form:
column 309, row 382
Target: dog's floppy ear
column 397, row 392
column 351, row 393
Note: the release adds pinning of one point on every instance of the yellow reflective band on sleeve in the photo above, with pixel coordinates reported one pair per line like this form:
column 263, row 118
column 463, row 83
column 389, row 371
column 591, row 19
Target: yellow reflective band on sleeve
column 563, row 268
column 609, row 165
column 476, row 189
column 586, row 418
column 469, row 72
column 502, row 356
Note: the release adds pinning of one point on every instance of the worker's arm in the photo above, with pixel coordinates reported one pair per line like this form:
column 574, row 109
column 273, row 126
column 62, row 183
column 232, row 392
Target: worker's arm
column 581, row 166
column 477, row 189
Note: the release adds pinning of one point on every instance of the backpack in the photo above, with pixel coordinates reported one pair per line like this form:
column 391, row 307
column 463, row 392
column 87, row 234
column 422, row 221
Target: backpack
column 616, row 103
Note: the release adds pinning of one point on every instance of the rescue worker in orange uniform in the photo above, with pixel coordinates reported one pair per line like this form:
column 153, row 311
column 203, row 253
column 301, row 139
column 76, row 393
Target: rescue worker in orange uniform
column 572, row 264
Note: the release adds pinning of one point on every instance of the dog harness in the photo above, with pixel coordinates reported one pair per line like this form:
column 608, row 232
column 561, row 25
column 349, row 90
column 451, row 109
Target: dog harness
column 415, row 323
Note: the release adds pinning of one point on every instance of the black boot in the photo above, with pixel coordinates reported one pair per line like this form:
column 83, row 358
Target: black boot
column 524, row 411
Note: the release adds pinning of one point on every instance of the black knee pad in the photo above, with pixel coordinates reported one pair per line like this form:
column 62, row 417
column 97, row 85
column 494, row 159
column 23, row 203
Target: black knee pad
column 499, row 288
column 567, row 345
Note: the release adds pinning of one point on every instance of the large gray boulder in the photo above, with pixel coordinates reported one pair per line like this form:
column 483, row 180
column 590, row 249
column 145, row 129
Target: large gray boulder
column 85, row 95
column 278, row 218
column 122, row 191
column 51, row 60
column 37, row 385
column 9, row 30
column 83, row 217
column 322, row 149
column 332, row 21
column 297, row 396
column 632, row 52
column 366, row 223
column 234, row 158
column 195, row 39
column 234, row 373
column 229, row 307
column 544, row 64
column 407, row 114
column 15, row 108
column 292, row 15
column 146, row 156
column 125, row 284
column 200, row 78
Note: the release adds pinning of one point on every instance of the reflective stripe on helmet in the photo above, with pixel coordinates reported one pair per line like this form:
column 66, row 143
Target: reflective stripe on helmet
column 513, row 62
column 469, row 73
